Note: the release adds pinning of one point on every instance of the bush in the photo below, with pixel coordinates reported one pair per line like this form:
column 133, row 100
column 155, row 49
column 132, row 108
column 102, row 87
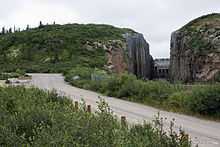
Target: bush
column 177, row 100
column 198, row 99
column 20, row 72
column 5, row 76
column 32, row 117
column 217, row 77
column 205, row 100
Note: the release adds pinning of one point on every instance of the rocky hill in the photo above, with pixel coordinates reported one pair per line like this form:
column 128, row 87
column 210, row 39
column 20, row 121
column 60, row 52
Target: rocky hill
column 195, row 50
column 58, row 48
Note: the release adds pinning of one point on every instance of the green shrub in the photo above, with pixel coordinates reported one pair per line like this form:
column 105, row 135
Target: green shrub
column 32, row 117
column 198, row 99
column 217, row 77
column 205, row 100
column 177, row 100
column 20, row 72
column 5, row 76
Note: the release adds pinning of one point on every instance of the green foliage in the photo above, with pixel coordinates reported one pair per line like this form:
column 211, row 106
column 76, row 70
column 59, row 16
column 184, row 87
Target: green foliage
column 32, row 117
column 199, row 33
column 202, row 100
column 123, row 86
column 20, row 72
column 177, row 100
column 199, row 44
column 56, row 48
column 205, row 100
column 5, row 76
column 217, row 77
column 201, row 20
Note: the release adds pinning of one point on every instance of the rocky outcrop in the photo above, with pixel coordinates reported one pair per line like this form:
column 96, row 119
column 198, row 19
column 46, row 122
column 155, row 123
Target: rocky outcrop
column 116, row 57
column 131, row 54
column 195, row 50
column 140, row 62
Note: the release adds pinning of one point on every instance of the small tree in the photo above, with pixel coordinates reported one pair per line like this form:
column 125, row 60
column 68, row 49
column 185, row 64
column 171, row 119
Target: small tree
column 41, row 24
column 3, row 30
column 14, row 29
column 10, row 30
column 28, row 27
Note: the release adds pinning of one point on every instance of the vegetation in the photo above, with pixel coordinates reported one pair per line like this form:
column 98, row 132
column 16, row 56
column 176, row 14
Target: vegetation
column 198, row 32
column 217, row 77
column 18, row 73
column 32, row 117
column 196, row 23
column 55, row 48
column 62, row 48
column 197, row 99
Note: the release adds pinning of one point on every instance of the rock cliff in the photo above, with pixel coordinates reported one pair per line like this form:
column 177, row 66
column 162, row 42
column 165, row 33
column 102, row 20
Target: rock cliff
column 140, row 62
column 195, row 50
column 131, row 54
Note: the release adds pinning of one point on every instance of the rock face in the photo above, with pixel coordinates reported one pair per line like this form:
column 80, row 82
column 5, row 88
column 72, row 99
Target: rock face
column 116, row 56
column 195, row 50
column 140, row 62
column 131, row 54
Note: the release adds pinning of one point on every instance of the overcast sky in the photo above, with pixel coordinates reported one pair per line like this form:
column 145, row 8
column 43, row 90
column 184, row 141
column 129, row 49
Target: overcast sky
column 156, row 19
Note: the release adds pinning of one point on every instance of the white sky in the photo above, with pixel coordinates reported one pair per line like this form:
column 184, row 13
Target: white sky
column 156, row 19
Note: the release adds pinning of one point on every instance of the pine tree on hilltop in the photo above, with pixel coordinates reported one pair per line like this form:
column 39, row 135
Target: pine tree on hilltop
column 41, row 24
column 28, row 27
column 10, row 30
column 3, row 30
column 14, row 29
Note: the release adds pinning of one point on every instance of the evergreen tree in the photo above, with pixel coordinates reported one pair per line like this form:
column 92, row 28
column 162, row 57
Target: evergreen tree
column 41, row 24
column 3, row 30
column 10, row 30
column 28, row 27
column 14, row 29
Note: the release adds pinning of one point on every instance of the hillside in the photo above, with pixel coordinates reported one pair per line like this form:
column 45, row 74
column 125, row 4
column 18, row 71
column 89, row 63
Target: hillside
column 195, row 50
column 57, row 48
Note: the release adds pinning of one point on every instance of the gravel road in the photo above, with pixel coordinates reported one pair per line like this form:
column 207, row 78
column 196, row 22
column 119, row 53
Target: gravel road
column 204, row 133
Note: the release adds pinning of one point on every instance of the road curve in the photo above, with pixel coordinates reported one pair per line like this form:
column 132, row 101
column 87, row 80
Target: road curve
column 204, row 133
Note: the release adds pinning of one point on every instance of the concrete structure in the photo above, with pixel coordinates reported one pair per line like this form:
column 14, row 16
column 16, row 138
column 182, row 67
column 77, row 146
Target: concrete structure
column 161, row 68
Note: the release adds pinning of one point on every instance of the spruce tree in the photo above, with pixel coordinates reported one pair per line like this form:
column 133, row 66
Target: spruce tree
column 3, row 30
column 10, row 30
column 14, row 29
column 41, row 24
column 28, row 27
